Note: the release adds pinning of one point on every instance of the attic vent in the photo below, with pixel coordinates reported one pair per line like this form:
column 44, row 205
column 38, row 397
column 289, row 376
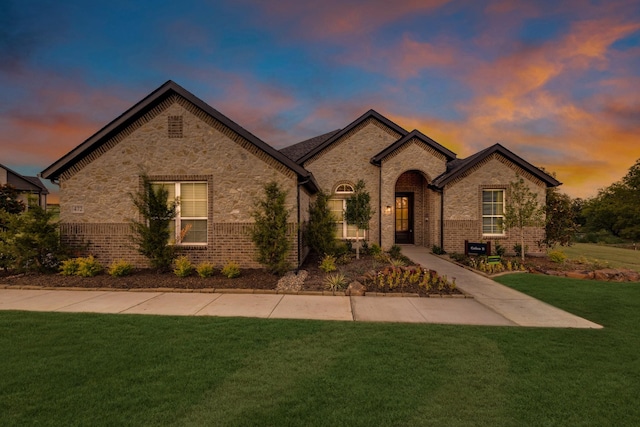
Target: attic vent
column 174, row 127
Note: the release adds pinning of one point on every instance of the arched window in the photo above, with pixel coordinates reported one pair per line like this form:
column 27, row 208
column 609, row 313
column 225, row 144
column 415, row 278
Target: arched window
column 344, row 189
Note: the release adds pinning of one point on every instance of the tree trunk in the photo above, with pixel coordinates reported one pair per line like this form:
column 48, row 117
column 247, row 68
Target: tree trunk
column 357, row 243
column 522, row 243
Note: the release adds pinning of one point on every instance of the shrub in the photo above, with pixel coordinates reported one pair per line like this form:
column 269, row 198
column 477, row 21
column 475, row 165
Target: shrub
column 205, row 269
column 437, row 250
column 69, row 267
column 557, row 256
column 183, row 267
column 120, row 268
column 29, row 241
column 335, row 282
column 328, row 264
column 375, row 249
column 88, row 267
column 270, row 229
column 152, row 233
column 231, row 270
column 500, row 250
column 320, row 231
column 395, row 251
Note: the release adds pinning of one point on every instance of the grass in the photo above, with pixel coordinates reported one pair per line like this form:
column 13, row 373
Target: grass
column 604, row 255
column 90, row 369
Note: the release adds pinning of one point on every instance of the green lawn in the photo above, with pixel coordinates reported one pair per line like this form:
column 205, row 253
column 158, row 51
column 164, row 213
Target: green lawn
column 89, row 369
column 614, row 257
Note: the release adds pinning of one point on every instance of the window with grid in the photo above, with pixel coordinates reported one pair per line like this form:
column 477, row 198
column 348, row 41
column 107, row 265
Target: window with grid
column 190, row 224
column 343, row 230
column 493, row 212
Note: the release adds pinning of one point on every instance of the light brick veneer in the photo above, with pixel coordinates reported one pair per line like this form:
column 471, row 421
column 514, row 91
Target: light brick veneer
column 234, row 169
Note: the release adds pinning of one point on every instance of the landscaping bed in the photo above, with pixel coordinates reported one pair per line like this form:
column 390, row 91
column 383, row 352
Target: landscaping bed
column 367, row 270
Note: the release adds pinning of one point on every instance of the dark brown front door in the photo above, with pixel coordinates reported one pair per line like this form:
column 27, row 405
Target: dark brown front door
column 404, row 217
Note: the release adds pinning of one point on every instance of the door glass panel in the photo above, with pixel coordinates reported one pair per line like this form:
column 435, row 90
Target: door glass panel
column 402, row 214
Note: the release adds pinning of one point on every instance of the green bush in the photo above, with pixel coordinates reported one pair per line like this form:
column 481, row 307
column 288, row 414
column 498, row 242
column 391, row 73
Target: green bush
column 88, row 267
column 120, row 268
column 69, row 267
column 557, row 256
column 375, row 249
column 328, row 264
column 320, row 232
column 437, row 250
column 335, row 282
column 270, row 229
column 231, row 270
column 183, row 267
column 395, row 251
column 205, row 269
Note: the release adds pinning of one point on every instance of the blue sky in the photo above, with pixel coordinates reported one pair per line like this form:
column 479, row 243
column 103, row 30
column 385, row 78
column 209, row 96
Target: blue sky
column 557, row 82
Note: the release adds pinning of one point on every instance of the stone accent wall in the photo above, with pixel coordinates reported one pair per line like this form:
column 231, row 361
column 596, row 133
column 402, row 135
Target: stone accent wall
column 348, row 160
column 463, row 205
column 95, row 193
column 426, row 162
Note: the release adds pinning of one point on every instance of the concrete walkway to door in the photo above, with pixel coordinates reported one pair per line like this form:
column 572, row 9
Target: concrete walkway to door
column 519, row 308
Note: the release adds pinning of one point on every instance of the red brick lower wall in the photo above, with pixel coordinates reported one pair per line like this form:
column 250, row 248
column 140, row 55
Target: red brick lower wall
column 457, row 231
column 109, row 242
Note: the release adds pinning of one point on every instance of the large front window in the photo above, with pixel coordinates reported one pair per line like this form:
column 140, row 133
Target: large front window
column 190, row 224
column 493, row 212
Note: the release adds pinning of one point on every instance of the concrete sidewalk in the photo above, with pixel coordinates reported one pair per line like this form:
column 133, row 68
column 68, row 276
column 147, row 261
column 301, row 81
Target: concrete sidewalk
column 520, row 308
column 492, row 303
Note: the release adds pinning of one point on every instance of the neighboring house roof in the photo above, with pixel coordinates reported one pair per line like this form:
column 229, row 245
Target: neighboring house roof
column 335, row 137
column 24, row 183
column 132, row 114
column 450, row 155
column 298, row 150
column 459, row 167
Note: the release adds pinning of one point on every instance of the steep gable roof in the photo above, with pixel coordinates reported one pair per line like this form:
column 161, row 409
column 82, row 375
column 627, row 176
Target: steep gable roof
column 23, row 182
column 459, row 167
column 298, row 150
column 145, row 105
column 415, row 134
column 371, row 114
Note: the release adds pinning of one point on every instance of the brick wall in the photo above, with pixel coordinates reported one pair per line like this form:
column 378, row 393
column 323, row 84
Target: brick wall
column 95, row 202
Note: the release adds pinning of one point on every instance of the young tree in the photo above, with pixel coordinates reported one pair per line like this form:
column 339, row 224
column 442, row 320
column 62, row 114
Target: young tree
column 270, row 230
column 152, row 232
column 560, row 212
column 522, row 210
column 358, row 211
column 321, row 228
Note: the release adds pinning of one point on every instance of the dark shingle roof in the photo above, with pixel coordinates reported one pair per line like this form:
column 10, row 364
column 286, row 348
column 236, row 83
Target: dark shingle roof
column 298, row 150
column 458, row 167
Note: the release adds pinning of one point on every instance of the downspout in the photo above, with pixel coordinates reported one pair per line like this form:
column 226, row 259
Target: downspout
column 442, row 219
column 380, row 205
column 299, row 263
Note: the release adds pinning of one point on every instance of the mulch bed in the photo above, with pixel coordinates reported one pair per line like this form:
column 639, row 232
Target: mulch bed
column 249, row 279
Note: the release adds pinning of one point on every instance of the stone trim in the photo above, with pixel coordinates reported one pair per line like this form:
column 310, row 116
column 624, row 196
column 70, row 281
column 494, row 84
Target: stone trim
column 496, row 156
column 220, row 127
column 349, row 134
column 418, row 143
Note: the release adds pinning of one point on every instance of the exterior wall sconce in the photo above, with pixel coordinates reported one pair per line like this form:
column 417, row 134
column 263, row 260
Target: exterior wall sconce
column 387, row 210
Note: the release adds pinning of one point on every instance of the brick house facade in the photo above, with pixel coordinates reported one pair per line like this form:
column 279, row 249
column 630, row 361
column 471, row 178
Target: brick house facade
column 421, row 193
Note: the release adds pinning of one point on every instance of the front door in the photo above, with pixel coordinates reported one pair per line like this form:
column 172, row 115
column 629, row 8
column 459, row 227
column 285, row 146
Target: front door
column 404, row 217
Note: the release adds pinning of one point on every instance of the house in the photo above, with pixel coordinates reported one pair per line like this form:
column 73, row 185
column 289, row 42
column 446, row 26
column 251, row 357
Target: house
column 29, row 187
column 421, row 192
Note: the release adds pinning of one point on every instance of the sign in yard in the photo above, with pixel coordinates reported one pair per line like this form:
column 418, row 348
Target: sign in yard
column 476, row 248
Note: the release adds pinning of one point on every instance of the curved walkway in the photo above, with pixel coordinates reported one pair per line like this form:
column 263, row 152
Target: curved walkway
column 492, row 303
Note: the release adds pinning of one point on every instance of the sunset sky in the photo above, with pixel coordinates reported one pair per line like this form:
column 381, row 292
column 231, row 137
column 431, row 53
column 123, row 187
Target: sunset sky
column 557, row 82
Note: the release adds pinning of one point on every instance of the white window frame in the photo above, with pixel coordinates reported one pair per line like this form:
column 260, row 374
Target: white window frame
column 345, row 227
column 344, row 188
column 177, row 221
column 493, row 216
